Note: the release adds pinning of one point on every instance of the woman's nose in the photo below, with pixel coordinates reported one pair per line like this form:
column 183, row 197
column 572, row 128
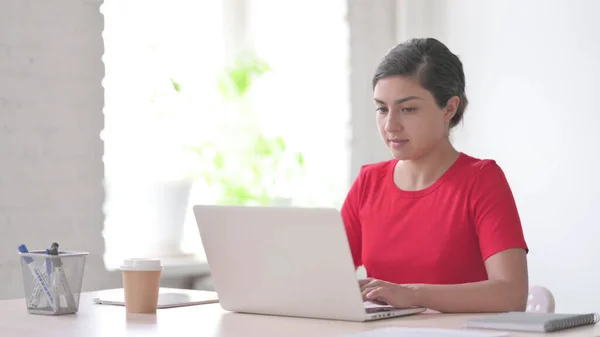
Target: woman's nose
column 392, row 123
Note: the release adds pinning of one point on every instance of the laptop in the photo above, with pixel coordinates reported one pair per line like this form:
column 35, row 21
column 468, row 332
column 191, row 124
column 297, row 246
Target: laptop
column 285, row 261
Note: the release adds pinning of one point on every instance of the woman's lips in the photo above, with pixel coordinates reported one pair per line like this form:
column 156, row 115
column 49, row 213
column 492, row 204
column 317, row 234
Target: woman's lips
column 398, row 143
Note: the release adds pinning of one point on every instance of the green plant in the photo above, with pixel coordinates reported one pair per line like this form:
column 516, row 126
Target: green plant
column 237, row 79
column 249, row 170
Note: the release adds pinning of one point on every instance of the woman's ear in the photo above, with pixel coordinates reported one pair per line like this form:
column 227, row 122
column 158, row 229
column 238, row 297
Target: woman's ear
column 451, row 107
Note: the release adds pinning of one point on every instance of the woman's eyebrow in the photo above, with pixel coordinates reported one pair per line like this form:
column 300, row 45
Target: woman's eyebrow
column 398, row 101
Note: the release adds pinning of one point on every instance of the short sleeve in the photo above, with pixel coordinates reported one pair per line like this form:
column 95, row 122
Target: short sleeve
column 495, row 213
column 350, row 216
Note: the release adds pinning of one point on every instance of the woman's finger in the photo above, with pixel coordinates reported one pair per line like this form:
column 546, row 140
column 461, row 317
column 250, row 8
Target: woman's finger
column 371, row 283
column 378, row 294
column 366, row 291
column 364, row 282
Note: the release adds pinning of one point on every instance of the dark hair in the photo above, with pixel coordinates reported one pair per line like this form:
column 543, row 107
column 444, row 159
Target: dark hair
column 434, row 66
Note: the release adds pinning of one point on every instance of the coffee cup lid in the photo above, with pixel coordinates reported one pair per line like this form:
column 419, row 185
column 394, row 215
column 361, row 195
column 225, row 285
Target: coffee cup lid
column 141, row 264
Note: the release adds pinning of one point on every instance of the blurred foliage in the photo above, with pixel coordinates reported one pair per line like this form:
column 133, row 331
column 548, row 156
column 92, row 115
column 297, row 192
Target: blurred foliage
column 252, row 172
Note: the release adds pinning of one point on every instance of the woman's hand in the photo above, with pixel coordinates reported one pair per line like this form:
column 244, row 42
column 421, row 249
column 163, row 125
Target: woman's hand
column 396, row 295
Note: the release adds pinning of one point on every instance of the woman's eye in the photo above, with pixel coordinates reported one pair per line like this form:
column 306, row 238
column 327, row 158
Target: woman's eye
column 381, row 109
column 409, row 109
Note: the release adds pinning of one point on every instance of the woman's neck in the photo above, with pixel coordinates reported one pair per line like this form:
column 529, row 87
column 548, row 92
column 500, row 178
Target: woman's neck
column 420, row 173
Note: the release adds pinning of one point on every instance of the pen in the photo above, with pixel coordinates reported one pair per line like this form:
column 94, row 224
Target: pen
column 33, row 300
column 48, row 264
column 37, row 275
column 62, row 276
column 52, row 279
column 35, row 295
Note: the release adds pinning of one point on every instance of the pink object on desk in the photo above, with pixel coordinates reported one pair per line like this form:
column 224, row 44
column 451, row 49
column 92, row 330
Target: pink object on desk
column 540, row 300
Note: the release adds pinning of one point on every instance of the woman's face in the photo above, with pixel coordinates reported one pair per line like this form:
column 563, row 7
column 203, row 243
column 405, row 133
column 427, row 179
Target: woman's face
column 409, row 120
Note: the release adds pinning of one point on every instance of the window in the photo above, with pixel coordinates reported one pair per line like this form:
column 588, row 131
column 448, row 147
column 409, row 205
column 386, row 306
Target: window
column 164, row 61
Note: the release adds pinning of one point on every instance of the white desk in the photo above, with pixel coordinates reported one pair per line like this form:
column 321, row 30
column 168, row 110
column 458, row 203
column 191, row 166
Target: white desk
column 206, row 320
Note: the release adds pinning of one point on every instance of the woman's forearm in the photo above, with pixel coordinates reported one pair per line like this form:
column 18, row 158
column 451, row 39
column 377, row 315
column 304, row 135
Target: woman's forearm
column 485, row 296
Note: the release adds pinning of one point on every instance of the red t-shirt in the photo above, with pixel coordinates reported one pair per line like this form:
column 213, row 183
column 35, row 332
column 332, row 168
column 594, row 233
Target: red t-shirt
column 439, row 235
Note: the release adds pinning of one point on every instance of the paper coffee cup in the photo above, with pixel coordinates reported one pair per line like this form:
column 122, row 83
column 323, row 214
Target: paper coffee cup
column 141, row 282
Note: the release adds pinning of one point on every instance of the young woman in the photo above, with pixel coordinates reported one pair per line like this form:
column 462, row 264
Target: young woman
column 433, row 227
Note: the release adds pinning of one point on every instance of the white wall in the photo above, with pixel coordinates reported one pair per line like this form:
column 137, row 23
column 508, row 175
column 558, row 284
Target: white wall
column 532, row 78
column 372, row 32
column 51, row 102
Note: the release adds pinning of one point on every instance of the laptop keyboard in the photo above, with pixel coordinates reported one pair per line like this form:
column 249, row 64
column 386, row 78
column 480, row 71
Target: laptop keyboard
column 371, row 307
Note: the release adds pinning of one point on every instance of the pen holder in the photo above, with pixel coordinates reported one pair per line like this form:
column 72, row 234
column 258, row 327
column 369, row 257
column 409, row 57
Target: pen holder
column 52, row 283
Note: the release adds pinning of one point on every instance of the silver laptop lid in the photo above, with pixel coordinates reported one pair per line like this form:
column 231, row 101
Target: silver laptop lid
column 280, row 260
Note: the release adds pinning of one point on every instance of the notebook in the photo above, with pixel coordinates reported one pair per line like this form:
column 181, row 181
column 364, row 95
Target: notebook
column 532, row 322
column 167, row 297
column 423, row 332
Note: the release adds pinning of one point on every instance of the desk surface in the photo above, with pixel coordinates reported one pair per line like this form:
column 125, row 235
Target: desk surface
column 207, row 320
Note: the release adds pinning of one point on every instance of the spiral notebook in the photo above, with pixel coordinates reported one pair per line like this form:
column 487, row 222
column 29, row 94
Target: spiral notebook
column 532, row 322
column 424, row 332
